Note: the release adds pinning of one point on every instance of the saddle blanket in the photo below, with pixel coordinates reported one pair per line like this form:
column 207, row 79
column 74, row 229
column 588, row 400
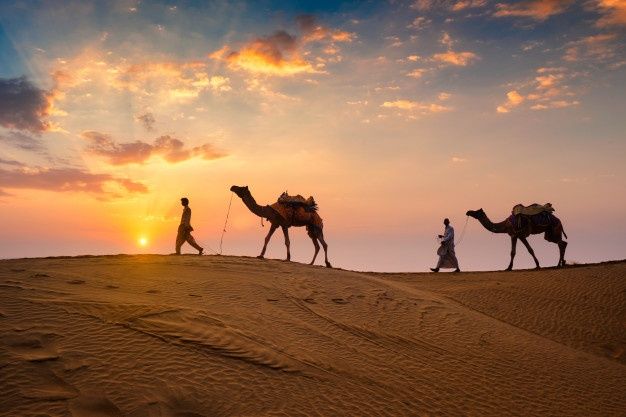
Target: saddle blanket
column 532, row 209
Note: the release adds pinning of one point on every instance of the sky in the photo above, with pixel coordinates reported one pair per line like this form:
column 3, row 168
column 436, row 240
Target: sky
column 392, row 114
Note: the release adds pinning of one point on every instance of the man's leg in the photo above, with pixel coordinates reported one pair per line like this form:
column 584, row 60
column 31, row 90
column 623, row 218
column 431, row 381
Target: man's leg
column 193, row 243
column 180, row 239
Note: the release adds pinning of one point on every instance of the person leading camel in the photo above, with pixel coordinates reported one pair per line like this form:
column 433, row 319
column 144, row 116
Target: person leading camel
column 185, row 229
column 447, row 257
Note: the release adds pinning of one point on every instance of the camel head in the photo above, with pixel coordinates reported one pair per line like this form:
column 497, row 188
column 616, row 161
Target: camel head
column 475, row 213
column 240, row 191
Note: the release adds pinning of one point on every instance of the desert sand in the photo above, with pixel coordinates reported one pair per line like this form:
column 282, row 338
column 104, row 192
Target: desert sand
column 191, row 336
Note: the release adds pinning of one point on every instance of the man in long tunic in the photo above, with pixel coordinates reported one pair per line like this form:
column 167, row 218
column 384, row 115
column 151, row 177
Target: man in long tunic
column 185, row 229
column 447, row 257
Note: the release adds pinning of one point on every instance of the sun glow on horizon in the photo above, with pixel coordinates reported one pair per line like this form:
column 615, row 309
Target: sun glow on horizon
column 142, row 241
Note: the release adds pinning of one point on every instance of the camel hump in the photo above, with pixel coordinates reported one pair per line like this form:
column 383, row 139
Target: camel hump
column 309, row 204
column 532, row 209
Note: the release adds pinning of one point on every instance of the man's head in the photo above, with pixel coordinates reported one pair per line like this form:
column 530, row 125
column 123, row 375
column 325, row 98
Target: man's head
column 446, row 221
column 184, row 201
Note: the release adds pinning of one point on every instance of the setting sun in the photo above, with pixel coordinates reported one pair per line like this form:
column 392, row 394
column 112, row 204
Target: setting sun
column 143, row 241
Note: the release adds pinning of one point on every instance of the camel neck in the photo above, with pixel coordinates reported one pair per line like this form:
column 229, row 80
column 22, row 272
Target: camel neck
column 252, row 205
column 491, row 226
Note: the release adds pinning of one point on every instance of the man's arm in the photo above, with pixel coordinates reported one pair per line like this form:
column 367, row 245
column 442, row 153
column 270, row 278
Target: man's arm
column 448, row 235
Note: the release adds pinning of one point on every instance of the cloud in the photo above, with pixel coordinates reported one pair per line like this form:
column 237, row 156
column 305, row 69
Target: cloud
column 455, row 58
column 596, row 48
column 467, row 4
column 68, row 180
column 277, row 54
column 416, row 73
column 514, row 99
column 613, row 12
column 548, row 90
column 24, row 106
column 539, row 10
column 171, row 149
column 22, row 141
column 282, row 54
column 147, row 120
column 313, row 31
column 162, row 81
column 415, row 106
column 11, row 162
column 419, row 23
column 451, row 5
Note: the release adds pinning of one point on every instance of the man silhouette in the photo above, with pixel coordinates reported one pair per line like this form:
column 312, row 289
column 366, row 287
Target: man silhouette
column 447, row 257
column 184, row 229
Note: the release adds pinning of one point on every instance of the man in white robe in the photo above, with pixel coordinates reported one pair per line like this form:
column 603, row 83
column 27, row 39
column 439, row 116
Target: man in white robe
column 184, row 229
column 447, row 257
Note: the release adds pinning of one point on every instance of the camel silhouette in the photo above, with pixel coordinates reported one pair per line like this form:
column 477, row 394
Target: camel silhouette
column 553, row 233
column 276, row 220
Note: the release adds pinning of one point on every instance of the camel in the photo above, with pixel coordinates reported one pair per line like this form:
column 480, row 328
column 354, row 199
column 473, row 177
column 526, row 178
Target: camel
column 553, row 233
column 276, row 220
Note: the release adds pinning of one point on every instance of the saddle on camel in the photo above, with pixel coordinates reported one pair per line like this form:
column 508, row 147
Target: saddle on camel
column 295, row 208
column 533, row 215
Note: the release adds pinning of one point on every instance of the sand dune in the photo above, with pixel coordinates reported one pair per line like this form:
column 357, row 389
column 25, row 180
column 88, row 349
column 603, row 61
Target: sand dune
column 229, row 336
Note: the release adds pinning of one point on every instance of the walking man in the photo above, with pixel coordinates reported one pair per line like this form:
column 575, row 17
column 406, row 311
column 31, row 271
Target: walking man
column 184, row 229
column 447, row 257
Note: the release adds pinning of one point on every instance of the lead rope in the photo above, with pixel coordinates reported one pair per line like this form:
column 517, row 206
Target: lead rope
column 226, row 221
column 462, row 232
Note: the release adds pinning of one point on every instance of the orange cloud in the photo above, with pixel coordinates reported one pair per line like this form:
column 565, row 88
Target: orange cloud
column 164, row 80
column 613, row 11
column 533, row 9
column 282, row 54
column 455, row 58
column 546, row 91
column 408, row 105
column 69, row 180
column 467, row 4
column 169, row 148
column 596, row 48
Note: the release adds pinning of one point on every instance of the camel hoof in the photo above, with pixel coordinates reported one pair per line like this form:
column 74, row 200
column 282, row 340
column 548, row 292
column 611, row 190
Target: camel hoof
column 328, row 265
column 537, row 267
column 509, row 269
column 260, row 257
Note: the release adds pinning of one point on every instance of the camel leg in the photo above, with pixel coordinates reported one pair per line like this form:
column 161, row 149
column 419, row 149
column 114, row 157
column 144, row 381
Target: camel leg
column 558, row 239
column 513, row 245
column 320, row 236
column 267, row 239
column 317, row 249
column 562, row 245
column 286, row 233
column 530, row 250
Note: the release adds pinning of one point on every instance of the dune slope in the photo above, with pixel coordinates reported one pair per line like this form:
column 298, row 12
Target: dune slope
column 196, row 336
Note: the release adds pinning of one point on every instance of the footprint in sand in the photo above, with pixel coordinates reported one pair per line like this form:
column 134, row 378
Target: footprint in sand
column 38, row 275
column 309, row 300
column 17, row 270
column 112, row 287
column 340, row 301
column 46, row 385
column 93, row 405
column 195, row 295
column 153, row 292
column 272, row 299
column 76, row 281
column 34, row 347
